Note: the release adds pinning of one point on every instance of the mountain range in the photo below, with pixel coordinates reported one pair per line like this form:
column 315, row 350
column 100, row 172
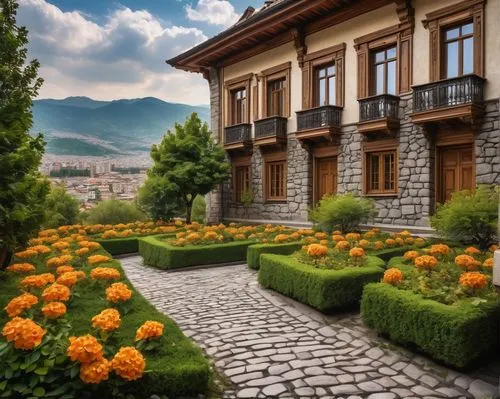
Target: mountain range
column 83, row 126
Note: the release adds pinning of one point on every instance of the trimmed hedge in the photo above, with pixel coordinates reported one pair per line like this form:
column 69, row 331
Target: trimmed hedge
column 388, row 253
column 454, row 334
column 120, row 246
column 320, row 288
column 254, row 252
column 165, row 256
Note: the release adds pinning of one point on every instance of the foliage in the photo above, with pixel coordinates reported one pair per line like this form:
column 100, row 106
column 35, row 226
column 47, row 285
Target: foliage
column 120, row 246
column 199, row 209
column 113, row 212
column 158, row 198
column 60, row 208
column 22, row 190
column 255, row 251
column 470, row 217
column 187, row 163
column 343, row 212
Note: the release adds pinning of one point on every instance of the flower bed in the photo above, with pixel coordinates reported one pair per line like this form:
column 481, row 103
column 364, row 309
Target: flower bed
column 255, row 251
column 72, row 287
column 440, row 300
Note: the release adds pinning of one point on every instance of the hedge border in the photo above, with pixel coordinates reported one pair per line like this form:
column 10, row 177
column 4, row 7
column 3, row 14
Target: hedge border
column 120, row 246
column 255, row 251
column 454, row 334
column 165, row 256
column 322, row 289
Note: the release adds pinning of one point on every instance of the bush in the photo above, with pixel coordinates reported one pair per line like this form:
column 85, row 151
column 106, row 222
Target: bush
column 342, row 212
column 322, row 289
column 455, row 334
column 470, row 217
column 199, row 209
column 119, row 246
column 160, row 254
column 254, row 252
column 61, row 209
column 114, row 212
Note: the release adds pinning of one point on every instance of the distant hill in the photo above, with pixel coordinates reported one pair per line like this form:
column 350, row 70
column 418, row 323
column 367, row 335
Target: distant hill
column 83, row 126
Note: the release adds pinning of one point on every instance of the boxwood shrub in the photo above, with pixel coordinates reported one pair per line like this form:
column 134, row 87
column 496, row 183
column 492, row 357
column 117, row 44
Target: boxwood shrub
column 254, row 252
column 162, row 255
column 322, row 289
column 120, row 246
column 454, row 334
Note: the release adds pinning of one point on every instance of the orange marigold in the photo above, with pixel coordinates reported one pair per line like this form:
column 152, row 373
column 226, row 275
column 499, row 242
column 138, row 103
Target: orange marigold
column 20, row 303
column 38, row 280
column 21, row 268
column 95, row 372
column 56, row 292
column 26, row 254
column 390, row 242
column 474, row 280
column 41, row 249
column 378, row 245
column 150, row 329
column 24, row 333
column 465, row 261
column 493, row 248
column 357, row 252
column 64, row 269
column 95, row 259
column 53, row 310
column 489, row 263
column 128, row 363
column 317, row 250
column 399, row 241
column 426, row 262
column 411, row 255
column 84, row 349
column 60, row 245
column 107, row 320
column 210, row 235
column 439, row 249
column 472, row 251
column 82, row 251
column 364, row 244
column 59, row 260
column 320, row 235
column 419, row 242
column 69, row 279
column 352, row 236
column 281, row 238
column 343, row 245
column 118, row 292
column 105, row 273
column 393, row 276
column 338, row 237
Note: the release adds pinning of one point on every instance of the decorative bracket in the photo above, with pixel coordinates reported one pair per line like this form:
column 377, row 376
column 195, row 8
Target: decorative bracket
column 405, row 11
column 299, row 41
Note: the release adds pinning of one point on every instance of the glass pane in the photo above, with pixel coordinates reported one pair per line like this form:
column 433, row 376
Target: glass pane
column 322, row 73
column 389, row 172
column 452, row 33
column 468, row 56
column 374, row 175
column 452, row 60
column 331, row 70
column 391, row 53
column 379, row 79
column 380, row 56
column 322, row 92
column 331, row 91
column 391, row 77
column 467, row 29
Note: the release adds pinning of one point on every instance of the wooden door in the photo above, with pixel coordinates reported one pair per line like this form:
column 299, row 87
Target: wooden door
column 456, row 171
column 326, row 177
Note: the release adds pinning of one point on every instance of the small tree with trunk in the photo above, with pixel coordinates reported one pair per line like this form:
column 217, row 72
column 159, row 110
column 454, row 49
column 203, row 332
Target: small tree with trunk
column 189, row 163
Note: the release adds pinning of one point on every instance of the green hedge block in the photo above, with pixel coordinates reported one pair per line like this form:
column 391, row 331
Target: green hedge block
column 119, row 246
column 254, row 252
column 165, row 256
column 320, row 288
column 454, row 334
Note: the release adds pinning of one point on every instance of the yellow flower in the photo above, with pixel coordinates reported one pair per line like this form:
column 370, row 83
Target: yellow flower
column 24, row 333
column 107, row 320
column 95, row 372
column 378, row 245
column 56, row 292
column 109, row 234
column 352, row 236
column 411, row 255
column 53, row 310
column 21, row 268
column 20, row 303
column 390, row 242
column 489, row 263
column 399, row 241
column 474, row 280
column 193, row 237
column 393, row 276
column 118, row 292
column 419, row 242
column 357, row 252
column 425, row 262
column 210, row 236
column 150, row 329
column 84, row 349
column 343, row 245
column 317, row 250
column 364, row 244
column 128, row 363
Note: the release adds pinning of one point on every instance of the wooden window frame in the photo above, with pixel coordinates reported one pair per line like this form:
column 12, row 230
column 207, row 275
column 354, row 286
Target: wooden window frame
column 401, row 36
column 311, row 62
column 240, row 162
column 273, row 159
column 460, row 40
column 373, row 71
column 437, row 22
column 380, row 147
column 241, row 82
column 269, row 75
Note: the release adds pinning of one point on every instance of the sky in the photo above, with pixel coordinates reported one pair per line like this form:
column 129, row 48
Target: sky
column 107, row 49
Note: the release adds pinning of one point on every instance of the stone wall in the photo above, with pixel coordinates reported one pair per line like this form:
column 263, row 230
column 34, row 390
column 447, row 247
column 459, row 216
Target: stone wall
column 488, row 146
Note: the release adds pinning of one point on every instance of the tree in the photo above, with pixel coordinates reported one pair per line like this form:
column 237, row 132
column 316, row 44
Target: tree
column 61, row 208
column 22, row 189
column 158, row 198
column 188, row 163
column 198, row 213
column 113, row 212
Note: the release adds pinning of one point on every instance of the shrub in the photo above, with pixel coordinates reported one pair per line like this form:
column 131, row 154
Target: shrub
column 120, row 246
column 199, row 209
column 322, row 289
column 255, row 251
column 61, row 208
column 342, row 212
column 114, row 212
column 470, row 217
column 455, row 334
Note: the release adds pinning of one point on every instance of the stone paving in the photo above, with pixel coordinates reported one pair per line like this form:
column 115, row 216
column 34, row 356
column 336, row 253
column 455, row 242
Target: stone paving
column 270, row 346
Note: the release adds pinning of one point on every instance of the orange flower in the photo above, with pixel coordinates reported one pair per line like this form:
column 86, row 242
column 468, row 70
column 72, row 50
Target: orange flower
column 82, row 251
column 352, row 236
column 60, row 245
column 472, row 251
column 38, row 280
column 493, row 248
column 419, row 242
column 95, row 372
column 390, row 242
column 281, row 238
column 489, row 263
column 393, row 276
column 338, row 237
column 69, row 279
column 105, row 273
column 378, row 245
column 343, row 245
column 84, row 349
column 95, row 259
column 210, row 235
column 399, row 241
column 107, row 320
column 357, row 252
column 64, row 269
column 59, row 260
column 439, row 249
column 317, row 250
column 364, row 244
column 193, row 237
column 109, row 234
column 474, row 280
column 26, row 254
column 150, row 329
column 411, row 255
column 21, row 268
column 129, row 363
column 426, row 262
column 369, row 234
column 56, row 292
column 409, row 240
column 118, row 292
column 24, row 333
column 465, row 261
column 20, row 303
column 320, row 235
column 41, row 249
column 54, row 310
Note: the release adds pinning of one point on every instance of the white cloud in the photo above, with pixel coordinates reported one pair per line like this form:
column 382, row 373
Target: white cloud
column 122, row 57
column 215, row 12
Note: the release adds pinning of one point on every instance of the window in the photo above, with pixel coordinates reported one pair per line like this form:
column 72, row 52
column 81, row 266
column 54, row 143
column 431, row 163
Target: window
column 326, row 80
column 275, row 89
column 239, row 106
column 381, row 172
column 459, row 50
column 384, row 71
column 237, row 100
column 241, row 181
column 276, row 97
column 275, row 180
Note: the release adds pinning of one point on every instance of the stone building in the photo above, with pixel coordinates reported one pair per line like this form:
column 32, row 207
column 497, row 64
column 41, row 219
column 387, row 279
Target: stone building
column 397, row 100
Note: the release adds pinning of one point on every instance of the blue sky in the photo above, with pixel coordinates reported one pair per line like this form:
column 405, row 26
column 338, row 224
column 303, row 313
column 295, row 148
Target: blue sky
column 108, row 49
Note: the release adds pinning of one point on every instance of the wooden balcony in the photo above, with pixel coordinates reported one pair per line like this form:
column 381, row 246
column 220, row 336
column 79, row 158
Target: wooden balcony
column 457, row 98
column 378, row 114
column 320, row 123
column 270, row 131
column 238, row 137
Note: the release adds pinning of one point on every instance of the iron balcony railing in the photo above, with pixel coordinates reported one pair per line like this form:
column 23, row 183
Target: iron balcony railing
column 324, row 116
column 377, row 107
column 450, row 92
column 275, row 126
column 238, row 133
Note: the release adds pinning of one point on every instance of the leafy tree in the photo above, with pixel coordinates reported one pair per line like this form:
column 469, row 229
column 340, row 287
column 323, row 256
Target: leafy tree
column 158, row 198
column 22, row 190
column 113, row 212
column 198, row 212
column 188, row 163
column 61, row 208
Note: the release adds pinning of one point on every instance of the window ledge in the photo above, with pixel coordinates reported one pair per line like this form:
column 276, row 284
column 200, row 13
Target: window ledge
column 384, row 195
column 270, row 201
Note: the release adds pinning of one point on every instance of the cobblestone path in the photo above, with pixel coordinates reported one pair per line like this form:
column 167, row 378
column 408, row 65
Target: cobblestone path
column 270, row 346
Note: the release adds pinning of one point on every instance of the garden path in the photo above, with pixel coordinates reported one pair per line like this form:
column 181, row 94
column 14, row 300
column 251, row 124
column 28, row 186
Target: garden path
column 270, row 346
